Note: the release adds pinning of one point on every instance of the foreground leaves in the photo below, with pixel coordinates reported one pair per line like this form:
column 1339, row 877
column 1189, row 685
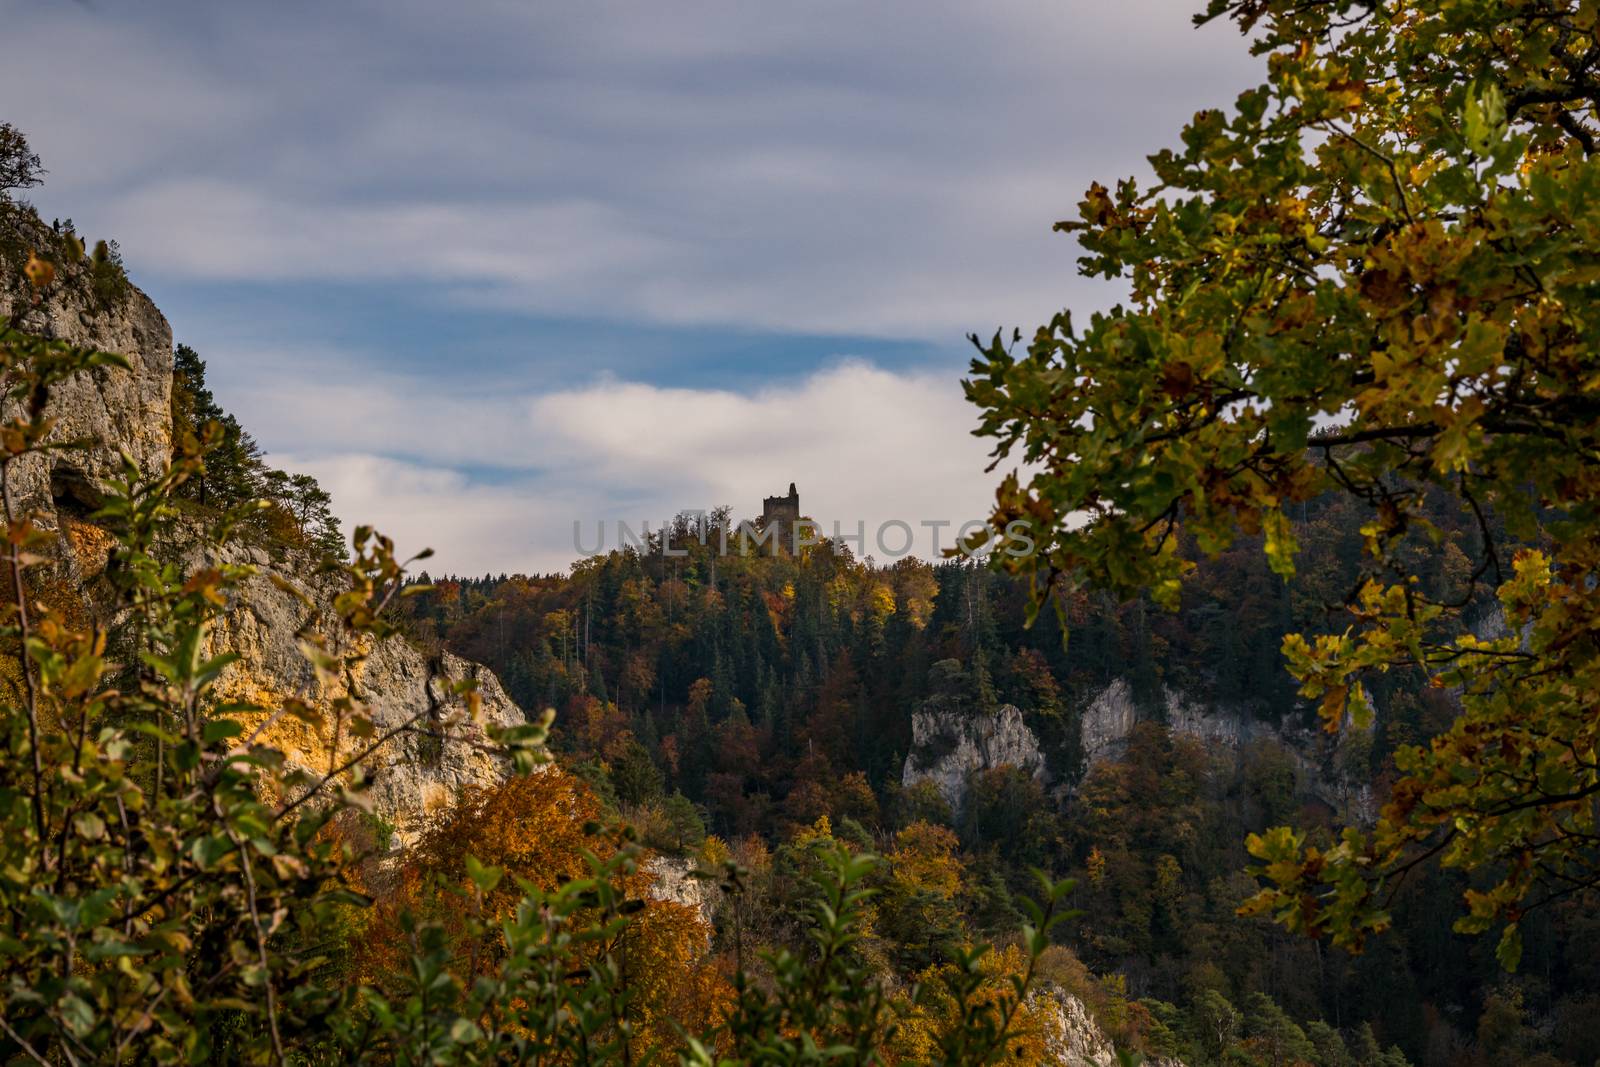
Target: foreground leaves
column 1374, row 277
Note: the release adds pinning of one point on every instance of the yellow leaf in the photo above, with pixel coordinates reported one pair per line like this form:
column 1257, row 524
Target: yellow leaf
column 40, row 272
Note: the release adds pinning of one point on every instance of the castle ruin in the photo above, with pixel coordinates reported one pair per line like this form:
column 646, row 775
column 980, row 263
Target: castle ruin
column 780, row 514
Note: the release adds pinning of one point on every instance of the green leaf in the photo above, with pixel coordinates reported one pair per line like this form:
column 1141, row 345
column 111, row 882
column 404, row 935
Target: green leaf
column 216, row 730
column 1509, row 951
column 1282, row 545
column 482, row 876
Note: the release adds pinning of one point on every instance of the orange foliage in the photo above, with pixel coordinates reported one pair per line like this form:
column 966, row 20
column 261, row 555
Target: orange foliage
column 598, row 725
column 533, row 828
column 925, row 857
column 925, row 1023
column 853, row 798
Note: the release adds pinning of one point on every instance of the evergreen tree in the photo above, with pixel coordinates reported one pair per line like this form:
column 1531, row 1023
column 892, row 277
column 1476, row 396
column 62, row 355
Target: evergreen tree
column 635, row 777
column 1365, row 1047
column 1329, row 1045
column 1279, row 1039
column 684, row 823
column 232, row 471
column 235, row 472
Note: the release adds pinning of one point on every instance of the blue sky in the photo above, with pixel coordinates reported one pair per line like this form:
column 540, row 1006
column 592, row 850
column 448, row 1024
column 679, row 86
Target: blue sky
column 487, row 268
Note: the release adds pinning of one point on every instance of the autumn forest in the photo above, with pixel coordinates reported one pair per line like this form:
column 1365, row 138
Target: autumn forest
column 1277, row 746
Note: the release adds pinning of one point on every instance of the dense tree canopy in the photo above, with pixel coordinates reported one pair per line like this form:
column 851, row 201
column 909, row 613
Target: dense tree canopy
column 757, row 695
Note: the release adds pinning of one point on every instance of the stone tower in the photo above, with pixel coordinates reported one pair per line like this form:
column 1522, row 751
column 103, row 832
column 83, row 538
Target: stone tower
column 780, row 513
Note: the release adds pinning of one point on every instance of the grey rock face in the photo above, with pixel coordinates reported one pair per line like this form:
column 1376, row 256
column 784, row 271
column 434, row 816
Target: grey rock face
column 947, row 749
column 1491, row 625
column 412, row 775
column 1073, row 1038
column 1111, row 716
column 108, row 408
column 675, row 883
column 1107, row 722
column 116, row 409
column 1213, row 725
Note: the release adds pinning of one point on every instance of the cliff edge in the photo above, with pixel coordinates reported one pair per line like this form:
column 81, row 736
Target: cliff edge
column 110, row 411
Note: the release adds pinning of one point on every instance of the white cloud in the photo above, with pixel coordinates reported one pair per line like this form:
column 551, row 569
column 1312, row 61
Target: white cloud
column 889, row 168
column 474, row 529
column 862, row 443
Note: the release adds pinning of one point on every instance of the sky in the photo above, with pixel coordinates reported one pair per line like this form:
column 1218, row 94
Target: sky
column 490, row 268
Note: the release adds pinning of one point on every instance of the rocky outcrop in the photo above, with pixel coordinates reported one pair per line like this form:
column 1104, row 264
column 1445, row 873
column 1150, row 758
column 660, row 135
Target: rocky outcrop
column 1072, row 1036
column 1107, row 721
column 414, row 775
column 675, row 882
column 108, row 408
column 946, row 749
column 115, row 410
column 1109, row 718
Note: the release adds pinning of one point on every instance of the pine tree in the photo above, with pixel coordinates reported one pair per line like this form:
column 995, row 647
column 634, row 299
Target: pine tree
column 312, row 508
column 1277, row 1035
column 230, row 472
column 1365, row 1047
column 1329, row 1045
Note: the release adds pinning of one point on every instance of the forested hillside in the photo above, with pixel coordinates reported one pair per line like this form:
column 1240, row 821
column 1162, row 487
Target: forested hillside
column 1281, row 748
column 746, row 695
column 246, row 820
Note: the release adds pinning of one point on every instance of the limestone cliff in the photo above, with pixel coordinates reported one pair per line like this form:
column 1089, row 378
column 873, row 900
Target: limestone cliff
column 1073, row 1038
column 675, row 881
column 108, row 407
column 947, row 748
column 1111, row 715
column 111, row 410
column 415, row 774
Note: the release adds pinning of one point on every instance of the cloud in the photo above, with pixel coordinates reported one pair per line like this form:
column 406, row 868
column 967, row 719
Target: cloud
column 451, row 222
column 475, row 529
column 232, row 232
column 884, row 169
column 865, row 446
